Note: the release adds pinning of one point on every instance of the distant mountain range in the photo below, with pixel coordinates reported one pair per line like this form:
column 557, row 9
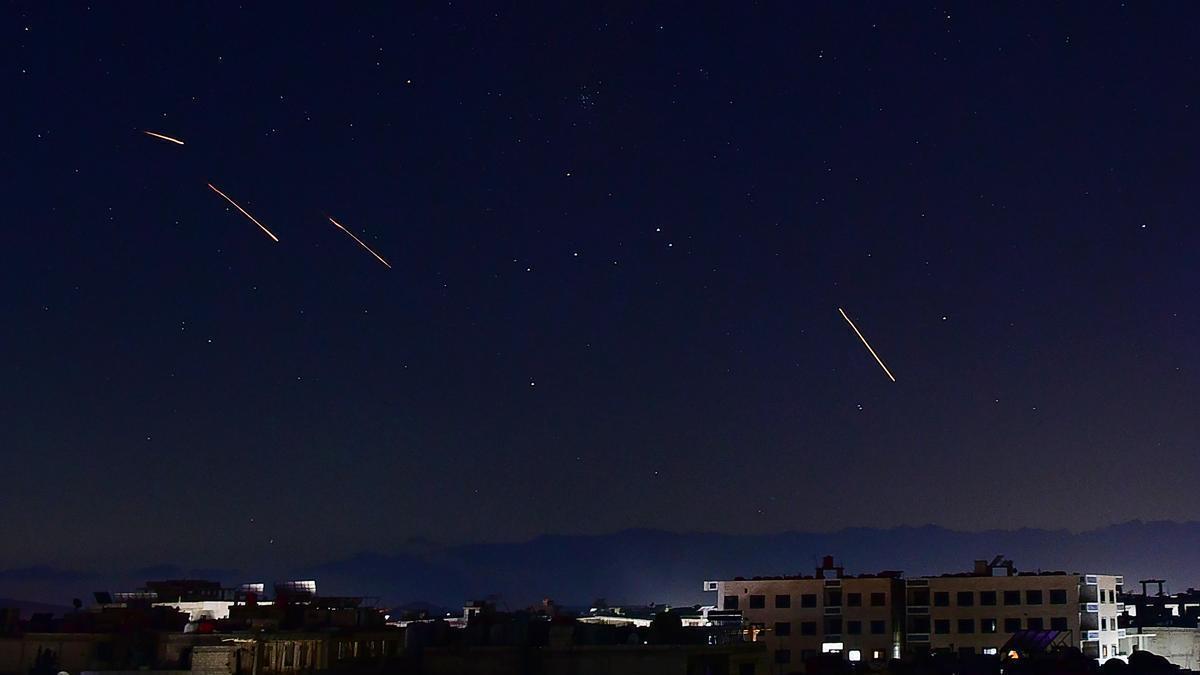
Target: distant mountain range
column 640, row 566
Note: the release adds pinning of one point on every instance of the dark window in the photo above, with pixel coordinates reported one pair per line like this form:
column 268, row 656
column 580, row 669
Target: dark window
column 833, row 625
column 807, row 600
column 783, row 628
column 808, row 627
column 941, row 626
column 758, row 601
column 746, row 669
column 987, row 625
column 920, row 597
column 833, row 599
column 783, row 601
column 731, row 602
column 1012, row 597
column 1012, row 625
column 987, row 598
column 854, row 599
column 966, row 625
column 1058, row 623
column 1033, row 597
column 966, row 652
column 965, row 599
column 880, row 599
column 878, row 627
column 941, row 599
column 807, row 655
column 1035, row 623
column 854, row 627
column 783, row 656
column 920, row 624
column 1058, row 596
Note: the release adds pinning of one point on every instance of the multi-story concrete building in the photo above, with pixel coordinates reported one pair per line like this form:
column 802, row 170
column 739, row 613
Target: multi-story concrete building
column 977, row 612
column 798, row 617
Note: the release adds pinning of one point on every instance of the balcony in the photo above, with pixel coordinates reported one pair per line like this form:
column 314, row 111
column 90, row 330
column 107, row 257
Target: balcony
column 918, row 609
column 918, row 637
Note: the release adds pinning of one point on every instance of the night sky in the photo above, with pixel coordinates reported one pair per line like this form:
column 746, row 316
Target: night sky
column 620, row 235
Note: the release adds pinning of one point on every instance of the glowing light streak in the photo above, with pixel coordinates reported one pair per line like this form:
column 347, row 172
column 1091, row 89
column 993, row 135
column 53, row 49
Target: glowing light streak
column 867, row 344
column 165, row 138
column 244, row 213
column 360, row 243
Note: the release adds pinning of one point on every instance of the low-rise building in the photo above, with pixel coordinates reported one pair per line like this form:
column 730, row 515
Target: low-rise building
column 799, row 617
column 1164, row 624
column 975, row 613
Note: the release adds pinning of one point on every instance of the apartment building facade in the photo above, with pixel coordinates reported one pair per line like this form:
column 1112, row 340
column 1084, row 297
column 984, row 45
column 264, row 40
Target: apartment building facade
column 797, row 617
column 977, row 612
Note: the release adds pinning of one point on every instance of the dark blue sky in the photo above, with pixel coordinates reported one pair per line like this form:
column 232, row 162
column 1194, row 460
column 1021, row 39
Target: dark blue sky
column 620, row 235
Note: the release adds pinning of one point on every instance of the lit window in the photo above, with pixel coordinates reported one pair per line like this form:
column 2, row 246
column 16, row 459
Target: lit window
column 990, row 651
column 855, row 655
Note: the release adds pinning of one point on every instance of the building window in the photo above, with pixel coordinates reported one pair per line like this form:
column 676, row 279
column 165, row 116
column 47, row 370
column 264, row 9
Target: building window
column 1035, row 623
column 1104, row 651
column 806, row 600
column 878, row 627
column 833, row 599
column 1058, row 596
column 966, row 652
column 965, row 599
column 987, row 598
column 783, row 656
column 855, row 655
column 833, row 625
column 783, row 628
column 807, row 655
column 990, row 651
column 758, row 601
column 1033, row 597
column 854, row 599
column 854, row 627
column 920, row 597
column 878, row 599
column 941, row 626
column 1103, row 623
column 920, row 624
column 731, row 602
column 1012, row 625
column 1058, row 623
column 1012, row 597
column 987, row 625
column 941, row 599
column 808, row 627
column 966, row 625
column 783, row 601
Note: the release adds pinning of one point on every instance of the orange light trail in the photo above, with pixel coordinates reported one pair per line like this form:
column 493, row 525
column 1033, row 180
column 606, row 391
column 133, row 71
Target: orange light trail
column 165, row 138
column 867, row 344
column 360, row 243
column 244, row 213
